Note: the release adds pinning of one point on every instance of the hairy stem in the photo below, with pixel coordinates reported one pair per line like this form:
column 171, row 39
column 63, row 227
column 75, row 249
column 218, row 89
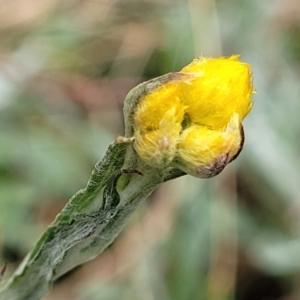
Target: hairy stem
column 89, row 222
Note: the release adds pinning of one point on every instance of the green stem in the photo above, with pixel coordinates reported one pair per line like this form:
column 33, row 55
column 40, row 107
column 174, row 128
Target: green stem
column 90, row 221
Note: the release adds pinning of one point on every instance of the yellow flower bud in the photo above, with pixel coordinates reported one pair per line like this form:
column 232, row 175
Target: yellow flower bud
column 191, row 119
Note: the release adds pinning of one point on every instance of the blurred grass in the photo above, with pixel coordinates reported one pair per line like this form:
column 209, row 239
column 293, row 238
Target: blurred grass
column 65, row 68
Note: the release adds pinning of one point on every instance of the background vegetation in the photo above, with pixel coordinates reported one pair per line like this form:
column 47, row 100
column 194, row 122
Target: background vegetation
column 65, row 67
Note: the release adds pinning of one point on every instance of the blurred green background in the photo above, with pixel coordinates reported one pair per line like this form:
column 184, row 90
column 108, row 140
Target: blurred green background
column 65, row 68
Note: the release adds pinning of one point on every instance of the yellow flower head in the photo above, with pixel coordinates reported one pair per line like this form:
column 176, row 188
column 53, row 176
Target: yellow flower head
column 192, row 119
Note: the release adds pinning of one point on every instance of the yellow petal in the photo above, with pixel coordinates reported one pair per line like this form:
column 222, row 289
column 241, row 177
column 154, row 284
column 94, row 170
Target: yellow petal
column 157, row 124
column 204, row 152
column 157, row 148
column 154, row 107
column 222, row 87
